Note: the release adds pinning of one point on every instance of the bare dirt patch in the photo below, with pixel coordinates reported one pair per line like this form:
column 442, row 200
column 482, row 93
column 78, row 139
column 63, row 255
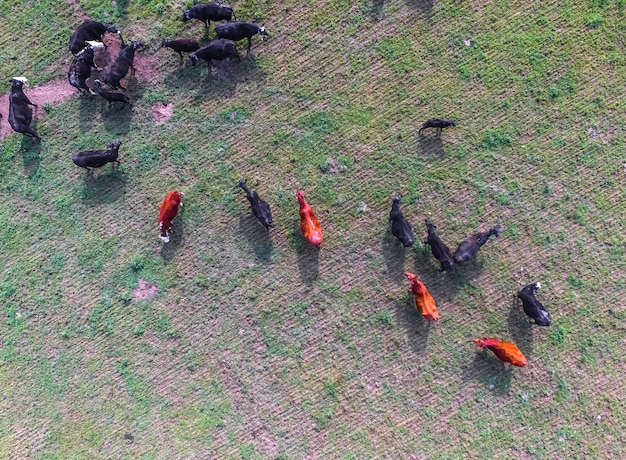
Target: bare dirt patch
column 78, row 10
column 162, row 112
column 144, row 290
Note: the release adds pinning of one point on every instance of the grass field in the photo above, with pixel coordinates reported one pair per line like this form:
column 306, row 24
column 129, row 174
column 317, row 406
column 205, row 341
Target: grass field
column 258, row 346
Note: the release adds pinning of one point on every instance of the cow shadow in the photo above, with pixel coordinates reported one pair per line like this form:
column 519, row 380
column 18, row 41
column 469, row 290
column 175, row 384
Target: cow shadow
column 423, row 6
column 176, row 233
column 394, row 255
column 99, row 188
column 415, row 325
column 31, row 155
column 494, row 374
column 308, row 257
column 116, row 117
column 257, row 236
column 520, row 327
column 431, row 146
column 87, row 108
column 376, row 9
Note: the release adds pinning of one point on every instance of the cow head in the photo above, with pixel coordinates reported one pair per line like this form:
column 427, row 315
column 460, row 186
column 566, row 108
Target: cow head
column 134, row 44
column 193, row 58
column 115, row 145
column 263, row 33
column 186, row 16
column 95, row 45
column 19, row 81
column 112, row 29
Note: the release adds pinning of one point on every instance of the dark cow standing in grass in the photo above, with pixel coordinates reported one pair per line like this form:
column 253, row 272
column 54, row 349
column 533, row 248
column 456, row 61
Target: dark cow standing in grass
column 90, row 30
column 438, row 123
column 400, row 227
column 118, row 69
column 218, row 49
column 260, row 208
column 97, row 158
column 181, row 44
column 468, row 248
column 111, row 96
column 207, row 12
column 20, row 114
column 439, row 249
column 532, row 307
column 80, row 69
column 238, row 30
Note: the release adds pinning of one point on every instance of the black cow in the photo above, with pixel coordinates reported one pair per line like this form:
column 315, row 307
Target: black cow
column 218, row 49
column 111, row 96
column 90, row 30
column 532, row 307
column 207, row 12
column 97, row 158
column 118, row 69
column 439, row 249
column 20, row 114
column 238, row 30
column 260, row 208
column 468, row 248
column 400, row 228
column 181, row 44
column 80, row 69
column 438, row 123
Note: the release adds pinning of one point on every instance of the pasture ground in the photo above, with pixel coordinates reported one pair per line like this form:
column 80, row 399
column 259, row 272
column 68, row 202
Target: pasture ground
column 233, row 343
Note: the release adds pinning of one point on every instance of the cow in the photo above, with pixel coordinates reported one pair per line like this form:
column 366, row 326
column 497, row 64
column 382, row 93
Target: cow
column 90, row 30
column 260, row 208
column 400, row 227
column 218, row 49
column 118, row 69
column 238, row 30
column 309, row 223
column 468, row 248
column 167, row 212
column 20, row 114
column 207, row 12
column 111, row 96
column 440, row 251
column 181, row 44
column 438, row 123
column 532, row 307
column 97, row 158
column 424, row 302
column 80, row 69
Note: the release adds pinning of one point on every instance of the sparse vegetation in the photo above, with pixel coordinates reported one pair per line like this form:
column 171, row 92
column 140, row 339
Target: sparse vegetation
column 257, row 346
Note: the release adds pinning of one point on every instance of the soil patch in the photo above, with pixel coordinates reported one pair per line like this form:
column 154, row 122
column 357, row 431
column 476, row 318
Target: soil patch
column 144, row 290
column 78, row 10
column 162, row 112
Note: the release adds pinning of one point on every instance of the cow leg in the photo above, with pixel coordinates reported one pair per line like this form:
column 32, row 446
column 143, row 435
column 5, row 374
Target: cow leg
column 181, row 56
column 249, row 44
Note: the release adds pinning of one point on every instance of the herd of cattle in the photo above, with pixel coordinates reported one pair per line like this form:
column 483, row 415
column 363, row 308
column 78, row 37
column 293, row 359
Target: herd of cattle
column 87, row 39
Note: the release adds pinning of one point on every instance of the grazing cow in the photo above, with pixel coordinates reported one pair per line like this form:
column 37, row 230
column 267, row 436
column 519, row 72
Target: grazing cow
column 505, row 351
column 439, row 249
column 218, row 49
column 400, row 227
column 424, row 302
column 438, row 123
column 207, row 12
column 111, row 96
column 238, row 30
column 97, row 158
column 80, row 69
column 167, row 212
column 20, row 114
column 468, row 248
column 260, row 208
column 310, row 226
column 118, row 69
column 532, row 307
column 90, row 30
column 181, row 44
